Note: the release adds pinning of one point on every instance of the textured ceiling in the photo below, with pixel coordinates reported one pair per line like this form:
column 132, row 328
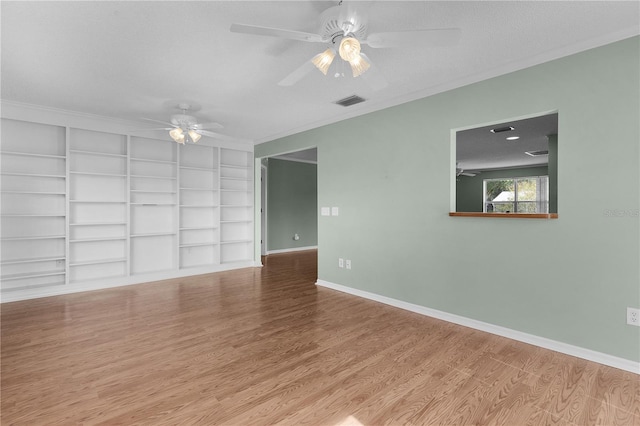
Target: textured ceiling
column 139, row 59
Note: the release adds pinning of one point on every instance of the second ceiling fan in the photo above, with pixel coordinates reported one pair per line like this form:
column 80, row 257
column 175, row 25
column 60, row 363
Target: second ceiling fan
column 186, row 128
column 345, row 31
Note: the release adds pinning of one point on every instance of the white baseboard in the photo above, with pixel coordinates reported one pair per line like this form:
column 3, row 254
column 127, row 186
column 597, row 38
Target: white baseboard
column 565, row 348
column 101, row 284
column 290, row 250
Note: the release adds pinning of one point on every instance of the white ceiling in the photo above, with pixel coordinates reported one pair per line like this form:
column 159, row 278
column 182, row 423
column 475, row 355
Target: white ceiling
column 139, row 59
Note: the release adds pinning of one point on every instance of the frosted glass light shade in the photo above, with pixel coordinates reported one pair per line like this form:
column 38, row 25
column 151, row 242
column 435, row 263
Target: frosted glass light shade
column 195, row 137
column 177, row 135
column 323, row 60
column 359, row 66
column 349, row 49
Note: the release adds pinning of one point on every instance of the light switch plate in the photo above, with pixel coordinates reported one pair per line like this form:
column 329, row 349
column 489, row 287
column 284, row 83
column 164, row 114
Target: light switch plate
column 334, row 211
column 325, row 211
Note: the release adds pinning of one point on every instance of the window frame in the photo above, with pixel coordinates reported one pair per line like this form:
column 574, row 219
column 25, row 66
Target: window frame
column 541, row 200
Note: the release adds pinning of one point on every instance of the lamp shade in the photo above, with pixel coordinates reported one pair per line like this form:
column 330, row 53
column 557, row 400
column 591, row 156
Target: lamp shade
column 359, row 66
column 195, row 137
column 177, row 135
column 349, row 48
column 323, row 60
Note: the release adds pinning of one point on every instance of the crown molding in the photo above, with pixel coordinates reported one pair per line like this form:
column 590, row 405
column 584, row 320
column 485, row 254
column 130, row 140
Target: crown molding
column 21, row 110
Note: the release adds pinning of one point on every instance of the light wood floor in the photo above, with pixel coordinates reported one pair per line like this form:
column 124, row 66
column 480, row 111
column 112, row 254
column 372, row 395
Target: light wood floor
column 265, row 346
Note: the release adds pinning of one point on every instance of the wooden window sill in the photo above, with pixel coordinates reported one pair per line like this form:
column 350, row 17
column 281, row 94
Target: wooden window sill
column 507, row 215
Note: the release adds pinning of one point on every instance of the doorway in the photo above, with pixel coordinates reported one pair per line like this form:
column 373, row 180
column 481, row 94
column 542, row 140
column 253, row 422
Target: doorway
column 289, row 212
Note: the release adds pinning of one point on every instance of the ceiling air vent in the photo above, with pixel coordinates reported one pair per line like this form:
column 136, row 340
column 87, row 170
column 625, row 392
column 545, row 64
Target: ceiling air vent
column 350, row 100
column 502, row 129
column 537, row 153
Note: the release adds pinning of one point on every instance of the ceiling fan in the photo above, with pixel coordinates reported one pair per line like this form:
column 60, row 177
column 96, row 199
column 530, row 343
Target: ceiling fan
column 346, row 30
column 460, row 172
column 185, row 128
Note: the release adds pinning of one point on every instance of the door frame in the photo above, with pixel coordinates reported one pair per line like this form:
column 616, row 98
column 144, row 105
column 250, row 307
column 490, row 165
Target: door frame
column 263, row 209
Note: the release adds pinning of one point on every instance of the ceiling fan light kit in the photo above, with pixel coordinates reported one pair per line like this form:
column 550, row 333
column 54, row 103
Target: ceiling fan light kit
column 179, row 135
column 349, row 50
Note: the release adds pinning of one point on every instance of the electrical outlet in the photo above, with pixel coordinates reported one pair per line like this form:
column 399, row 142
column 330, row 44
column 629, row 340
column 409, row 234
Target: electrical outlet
column 341, row 263
column 633, row 316
column 348, row 264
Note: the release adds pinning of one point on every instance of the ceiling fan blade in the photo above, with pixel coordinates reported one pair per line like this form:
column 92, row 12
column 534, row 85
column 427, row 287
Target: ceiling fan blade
column 217, row 135
column 166, row 123
column 152, row 129
column 372, row 76
column 297, row 74
column 276, row 32
column 426, row 37
column 199, row 126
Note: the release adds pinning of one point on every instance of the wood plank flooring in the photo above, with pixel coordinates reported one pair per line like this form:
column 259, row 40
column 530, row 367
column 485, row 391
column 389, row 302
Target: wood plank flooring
column 264, row 346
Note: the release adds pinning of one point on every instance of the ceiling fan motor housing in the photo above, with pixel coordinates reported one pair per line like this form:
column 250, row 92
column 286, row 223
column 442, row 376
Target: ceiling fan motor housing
column 333, row 29
column 183, row 120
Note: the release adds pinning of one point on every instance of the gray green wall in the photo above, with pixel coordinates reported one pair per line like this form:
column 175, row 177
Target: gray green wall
column 469, row 189
column 292, row 207
column 569, row 279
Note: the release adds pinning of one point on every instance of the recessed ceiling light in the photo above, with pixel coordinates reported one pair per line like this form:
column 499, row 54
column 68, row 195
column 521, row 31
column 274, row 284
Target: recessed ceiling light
column 502, row 129
column 513, row 138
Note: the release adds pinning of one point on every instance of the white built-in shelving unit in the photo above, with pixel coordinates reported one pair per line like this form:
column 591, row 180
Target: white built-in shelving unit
column 85, row 209
column 236, row 205
column 153, row 201
column 199, row 207
column 97, row 205
column 33, row 173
